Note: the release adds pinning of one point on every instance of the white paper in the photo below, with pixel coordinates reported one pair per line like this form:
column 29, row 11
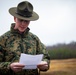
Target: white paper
column 30, row 61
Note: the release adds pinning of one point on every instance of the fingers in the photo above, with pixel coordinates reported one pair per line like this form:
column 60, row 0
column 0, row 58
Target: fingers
column 43, row 65
column 16, row 67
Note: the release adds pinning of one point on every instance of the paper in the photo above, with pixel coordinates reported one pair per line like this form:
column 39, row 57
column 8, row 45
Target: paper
column 30, row 61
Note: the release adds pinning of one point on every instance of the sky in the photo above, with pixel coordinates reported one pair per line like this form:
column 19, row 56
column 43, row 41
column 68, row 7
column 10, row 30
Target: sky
column 56, row 24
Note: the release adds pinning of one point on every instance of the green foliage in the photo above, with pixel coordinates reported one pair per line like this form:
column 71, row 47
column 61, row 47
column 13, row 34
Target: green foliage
column 62, row 52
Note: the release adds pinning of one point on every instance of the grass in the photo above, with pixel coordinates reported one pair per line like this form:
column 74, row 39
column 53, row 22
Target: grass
column 61, row 67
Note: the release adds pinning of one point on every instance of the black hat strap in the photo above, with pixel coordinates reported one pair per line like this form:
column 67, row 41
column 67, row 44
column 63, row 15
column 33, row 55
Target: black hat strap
column 24, row 13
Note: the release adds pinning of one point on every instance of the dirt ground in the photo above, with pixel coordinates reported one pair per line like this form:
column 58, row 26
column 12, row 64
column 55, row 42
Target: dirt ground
column 61, row 67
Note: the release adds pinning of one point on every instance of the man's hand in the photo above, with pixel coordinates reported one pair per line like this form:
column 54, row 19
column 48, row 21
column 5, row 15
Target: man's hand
column 43, row 66
column 16, row 67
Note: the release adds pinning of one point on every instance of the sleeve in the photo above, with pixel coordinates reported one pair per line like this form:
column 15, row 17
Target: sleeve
column 4, row 66
column 41, row 49
column 46, row 56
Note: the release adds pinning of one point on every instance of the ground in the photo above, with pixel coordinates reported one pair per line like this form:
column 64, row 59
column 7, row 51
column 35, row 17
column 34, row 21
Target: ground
column 61, row 67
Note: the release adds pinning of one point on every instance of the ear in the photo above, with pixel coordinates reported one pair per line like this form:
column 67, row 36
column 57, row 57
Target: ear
column 14, row 18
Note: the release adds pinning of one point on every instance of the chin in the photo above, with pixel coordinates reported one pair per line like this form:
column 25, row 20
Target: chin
column 21, row 31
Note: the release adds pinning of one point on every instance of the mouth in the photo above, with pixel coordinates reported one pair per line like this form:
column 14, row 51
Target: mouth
column 23, row 27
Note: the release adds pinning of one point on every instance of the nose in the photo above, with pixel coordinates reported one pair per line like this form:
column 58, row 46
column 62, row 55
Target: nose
column 23, row 23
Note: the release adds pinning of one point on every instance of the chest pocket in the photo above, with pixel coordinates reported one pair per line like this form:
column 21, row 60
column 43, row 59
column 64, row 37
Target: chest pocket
column 28, row 46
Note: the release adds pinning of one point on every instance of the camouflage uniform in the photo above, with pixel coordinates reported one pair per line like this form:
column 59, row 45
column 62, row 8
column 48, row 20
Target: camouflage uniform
column 12, row 44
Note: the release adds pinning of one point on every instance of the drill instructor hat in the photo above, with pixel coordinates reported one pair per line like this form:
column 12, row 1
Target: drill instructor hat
column 24, row 11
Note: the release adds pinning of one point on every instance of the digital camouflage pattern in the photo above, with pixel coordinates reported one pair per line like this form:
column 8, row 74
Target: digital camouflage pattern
column 12, row 44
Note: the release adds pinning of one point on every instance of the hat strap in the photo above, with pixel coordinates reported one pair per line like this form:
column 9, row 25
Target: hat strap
column 24, row 15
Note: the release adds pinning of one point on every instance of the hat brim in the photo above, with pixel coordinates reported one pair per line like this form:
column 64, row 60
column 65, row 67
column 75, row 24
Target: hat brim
column 34, row 16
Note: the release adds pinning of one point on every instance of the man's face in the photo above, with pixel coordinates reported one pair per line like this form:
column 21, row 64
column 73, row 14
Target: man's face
column 21, row 25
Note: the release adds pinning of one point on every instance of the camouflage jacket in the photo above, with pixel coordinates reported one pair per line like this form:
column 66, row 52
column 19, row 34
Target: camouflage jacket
column 12, row 44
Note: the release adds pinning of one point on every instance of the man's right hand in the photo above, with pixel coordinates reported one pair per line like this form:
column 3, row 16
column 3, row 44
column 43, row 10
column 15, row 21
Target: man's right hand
column 16, row 66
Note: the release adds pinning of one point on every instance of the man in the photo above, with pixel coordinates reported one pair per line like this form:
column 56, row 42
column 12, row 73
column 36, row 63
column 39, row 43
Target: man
column 19, row 40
